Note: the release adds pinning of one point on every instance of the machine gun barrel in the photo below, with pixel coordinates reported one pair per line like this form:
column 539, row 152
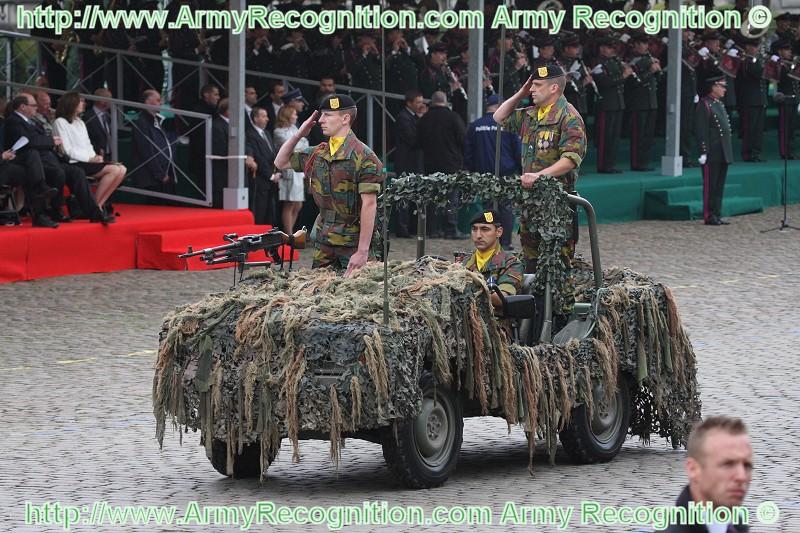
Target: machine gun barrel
column 239, row 247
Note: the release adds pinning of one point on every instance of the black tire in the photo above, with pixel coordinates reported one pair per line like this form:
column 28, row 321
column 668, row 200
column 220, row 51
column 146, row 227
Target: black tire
column 247, row 465
column 600, row 439
column 426, row 459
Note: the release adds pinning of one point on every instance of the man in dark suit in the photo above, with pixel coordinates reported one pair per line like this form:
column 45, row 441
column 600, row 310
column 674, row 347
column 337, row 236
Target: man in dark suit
column 407, row 153
column 19, row 124
column 220, row 133
column 152, row 151
column 263, row 190
column 440, row 133
column 26, row 171
column 209, row 99
column 98, row 124
column 719, row 468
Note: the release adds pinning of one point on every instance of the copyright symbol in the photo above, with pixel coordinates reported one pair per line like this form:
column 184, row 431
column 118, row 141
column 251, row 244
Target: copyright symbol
column 759, row 17
column 768, row 512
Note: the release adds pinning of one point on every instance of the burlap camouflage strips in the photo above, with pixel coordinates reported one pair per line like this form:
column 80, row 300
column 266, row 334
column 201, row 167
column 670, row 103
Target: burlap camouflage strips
column 306, row 353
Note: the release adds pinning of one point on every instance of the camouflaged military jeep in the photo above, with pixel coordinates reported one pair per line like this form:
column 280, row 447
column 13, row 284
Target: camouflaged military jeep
column 307, row 355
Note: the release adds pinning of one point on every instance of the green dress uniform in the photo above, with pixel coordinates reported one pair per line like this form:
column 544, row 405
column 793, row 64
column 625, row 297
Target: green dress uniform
column 503, row 267
column 610, row 109
column 752, row 100
column 337, row 182
column 713, row 130
column 689, row 100
column 789, row 86
column 560, row 133
column 641, row 100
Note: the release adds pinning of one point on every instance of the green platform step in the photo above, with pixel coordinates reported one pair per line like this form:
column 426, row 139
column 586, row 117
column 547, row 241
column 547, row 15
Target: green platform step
column 686, row 203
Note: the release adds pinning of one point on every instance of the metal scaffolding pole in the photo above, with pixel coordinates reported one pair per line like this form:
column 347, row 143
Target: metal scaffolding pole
column 235, row 194
column 671, row 162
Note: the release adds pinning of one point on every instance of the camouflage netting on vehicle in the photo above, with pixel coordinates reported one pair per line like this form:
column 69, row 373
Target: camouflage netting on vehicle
column 287, row 354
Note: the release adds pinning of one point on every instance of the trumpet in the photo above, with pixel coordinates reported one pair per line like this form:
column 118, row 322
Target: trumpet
column 63, row 51
column 448, row 72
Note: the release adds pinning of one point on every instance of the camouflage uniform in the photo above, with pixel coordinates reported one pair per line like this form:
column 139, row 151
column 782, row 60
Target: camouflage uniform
column 560, row 133
column 505, row 268
column 336, row 183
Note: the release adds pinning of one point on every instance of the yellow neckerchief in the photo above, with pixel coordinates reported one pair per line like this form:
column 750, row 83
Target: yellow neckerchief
column 481, row 258
column 543, row 111
column 334, row 143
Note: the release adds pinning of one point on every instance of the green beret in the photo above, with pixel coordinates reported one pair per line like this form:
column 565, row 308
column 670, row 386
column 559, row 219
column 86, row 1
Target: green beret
column 337, row 102
column 487, row 217
column 546, row 72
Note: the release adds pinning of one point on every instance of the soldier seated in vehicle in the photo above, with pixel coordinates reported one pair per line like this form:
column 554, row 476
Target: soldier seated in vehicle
column 498, row 266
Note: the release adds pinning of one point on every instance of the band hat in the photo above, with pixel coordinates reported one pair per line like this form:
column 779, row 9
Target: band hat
column 570, row 39
column 781, row 44
column 546, row 72
column 337, row 102
column 487, row 217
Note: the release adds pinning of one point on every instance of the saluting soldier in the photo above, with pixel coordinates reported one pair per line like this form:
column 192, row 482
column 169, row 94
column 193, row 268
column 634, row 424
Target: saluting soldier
column 489, row 258
column 789, row 87
column 345, row 178
column 641, row 99
column 609, row 75
column 578, row 78
column 553, row 144
column 752, row 99
column 713, row 129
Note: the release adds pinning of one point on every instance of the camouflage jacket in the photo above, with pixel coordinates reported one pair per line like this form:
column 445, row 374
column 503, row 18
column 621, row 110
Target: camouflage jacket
column 336, row 183
column 560, row 133
column 505, row 268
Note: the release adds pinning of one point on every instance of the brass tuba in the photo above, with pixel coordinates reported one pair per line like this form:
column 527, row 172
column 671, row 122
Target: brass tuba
column 63, row 47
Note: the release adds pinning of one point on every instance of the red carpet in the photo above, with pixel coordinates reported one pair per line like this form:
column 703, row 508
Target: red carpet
column 81, row 247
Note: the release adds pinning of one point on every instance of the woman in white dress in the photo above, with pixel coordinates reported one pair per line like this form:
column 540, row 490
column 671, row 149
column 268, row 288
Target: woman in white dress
column 78, row 148
column 291, row 184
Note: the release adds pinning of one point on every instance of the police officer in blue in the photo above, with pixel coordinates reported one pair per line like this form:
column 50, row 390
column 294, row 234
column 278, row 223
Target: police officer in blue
column 479, row 156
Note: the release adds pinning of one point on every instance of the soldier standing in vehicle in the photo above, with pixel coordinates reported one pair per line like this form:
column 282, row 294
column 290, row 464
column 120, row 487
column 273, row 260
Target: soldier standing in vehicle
column 553, row 144
column 345, row 177
column 489, row 258
column 713, row 130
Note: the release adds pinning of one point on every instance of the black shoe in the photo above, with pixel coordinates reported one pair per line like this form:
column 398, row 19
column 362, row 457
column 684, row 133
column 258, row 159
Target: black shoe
column 436, row 235
column 759, row 160
column 43, row 221
column 713, row 222
column 723, row 222
column 60, row 217
column 642, row 169
column 103, row 217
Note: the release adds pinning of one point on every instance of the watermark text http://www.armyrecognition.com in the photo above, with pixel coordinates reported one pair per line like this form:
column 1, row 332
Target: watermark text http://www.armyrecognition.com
column 373, row 18
column 381, row 513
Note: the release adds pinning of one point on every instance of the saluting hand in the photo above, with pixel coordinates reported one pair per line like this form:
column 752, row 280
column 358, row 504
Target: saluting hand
column 305, row 128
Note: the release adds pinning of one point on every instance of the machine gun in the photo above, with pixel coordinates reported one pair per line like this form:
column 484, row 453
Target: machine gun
column 239, row 248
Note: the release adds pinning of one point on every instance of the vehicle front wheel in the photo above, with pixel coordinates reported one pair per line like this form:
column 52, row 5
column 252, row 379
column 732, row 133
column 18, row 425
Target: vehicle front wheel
column 426, row 449
column 600, row 438
column 246, row 465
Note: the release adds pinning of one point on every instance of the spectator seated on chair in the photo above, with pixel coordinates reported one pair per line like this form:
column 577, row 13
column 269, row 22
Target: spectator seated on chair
column 22, row 171
column 78, row 148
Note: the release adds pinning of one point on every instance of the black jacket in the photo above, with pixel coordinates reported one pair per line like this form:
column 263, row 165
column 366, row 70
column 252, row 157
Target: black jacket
column 152, row 154
column 262, row 151
column 683, row 501
column 407, row 153
column 440, row 133
column 38, row 139
column 97, row 134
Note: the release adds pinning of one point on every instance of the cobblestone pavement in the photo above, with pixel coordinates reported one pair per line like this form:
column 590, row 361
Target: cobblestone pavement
column 76, row 357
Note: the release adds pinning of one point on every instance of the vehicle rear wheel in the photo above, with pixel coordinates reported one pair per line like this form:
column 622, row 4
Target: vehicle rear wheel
column 246, row 465
column 426, row 449
column 600, row 438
